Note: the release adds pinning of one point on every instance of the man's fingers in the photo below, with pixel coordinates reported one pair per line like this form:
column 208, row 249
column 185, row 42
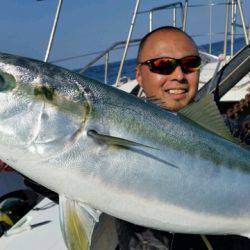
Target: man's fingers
column 4, row 167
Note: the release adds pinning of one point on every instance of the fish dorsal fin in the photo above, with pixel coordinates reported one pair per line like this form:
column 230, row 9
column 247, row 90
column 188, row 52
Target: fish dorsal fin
column 77, row 222
column 205, row 112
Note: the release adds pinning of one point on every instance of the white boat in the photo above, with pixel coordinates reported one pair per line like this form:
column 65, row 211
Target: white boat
column 40, row 228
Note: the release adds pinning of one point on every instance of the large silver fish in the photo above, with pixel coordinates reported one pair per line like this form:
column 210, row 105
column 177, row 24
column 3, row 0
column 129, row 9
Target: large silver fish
column 103, row 150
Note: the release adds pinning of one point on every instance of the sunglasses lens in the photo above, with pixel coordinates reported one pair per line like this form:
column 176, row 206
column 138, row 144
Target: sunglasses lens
column 190, row 64
column 164, row 66
column 167, row 65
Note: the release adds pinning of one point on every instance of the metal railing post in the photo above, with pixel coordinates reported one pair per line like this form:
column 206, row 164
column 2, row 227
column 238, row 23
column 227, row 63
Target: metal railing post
column 184, row 21
column 243, row 22
column 150, row 21
column 52, row 34
column 210, row 27
column 174, row 16
column 106, row 68
column 226, row 29
column 127, row 43
column 233, row 14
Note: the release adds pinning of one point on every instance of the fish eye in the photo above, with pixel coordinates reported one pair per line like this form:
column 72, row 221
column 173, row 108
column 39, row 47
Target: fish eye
column 7, row 82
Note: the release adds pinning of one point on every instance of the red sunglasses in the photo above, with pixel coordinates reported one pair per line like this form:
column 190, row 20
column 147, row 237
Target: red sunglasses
column 167, row 65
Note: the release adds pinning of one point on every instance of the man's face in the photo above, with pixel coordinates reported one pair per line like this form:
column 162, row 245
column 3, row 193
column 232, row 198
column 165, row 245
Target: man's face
column 177, row 89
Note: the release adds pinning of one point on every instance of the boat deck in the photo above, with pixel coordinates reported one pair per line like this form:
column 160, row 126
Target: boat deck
column 41, row 225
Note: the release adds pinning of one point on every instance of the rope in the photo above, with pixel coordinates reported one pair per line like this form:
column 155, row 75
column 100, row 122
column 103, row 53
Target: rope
column 206, row 241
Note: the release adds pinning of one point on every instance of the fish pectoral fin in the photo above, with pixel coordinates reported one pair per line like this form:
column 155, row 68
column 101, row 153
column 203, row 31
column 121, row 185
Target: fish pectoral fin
column 77, row 221
column 206, row 113
column 111, row 140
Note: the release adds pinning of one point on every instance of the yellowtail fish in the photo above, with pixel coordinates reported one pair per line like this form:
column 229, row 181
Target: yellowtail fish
column 105, row 151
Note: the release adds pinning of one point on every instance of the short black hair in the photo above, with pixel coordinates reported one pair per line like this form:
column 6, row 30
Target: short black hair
column 163, row 28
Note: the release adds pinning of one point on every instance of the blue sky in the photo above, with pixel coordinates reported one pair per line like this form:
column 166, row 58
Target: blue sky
column 86, row 26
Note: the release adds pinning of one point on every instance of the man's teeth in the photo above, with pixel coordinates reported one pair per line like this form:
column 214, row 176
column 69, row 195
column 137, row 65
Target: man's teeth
column 176, row 91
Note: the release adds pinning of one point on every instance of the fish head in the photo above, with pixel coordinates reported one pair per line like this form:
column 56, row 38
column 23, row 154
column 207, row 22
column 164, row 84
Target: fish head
column 43, row 109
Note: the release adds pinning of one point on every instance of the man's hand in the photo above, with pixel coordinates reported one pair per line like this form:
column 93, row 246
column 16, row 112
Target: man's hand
column 4, row 167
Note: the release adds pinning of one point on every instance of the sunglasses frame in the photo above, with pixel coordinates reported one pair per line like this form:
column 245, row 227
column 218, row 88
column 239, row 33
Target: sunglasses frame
column 177, row 62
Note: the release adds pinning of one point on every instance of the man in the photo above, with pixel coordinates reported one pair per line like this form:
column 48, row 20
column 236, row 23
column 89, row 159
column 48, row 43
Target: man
column 168, row 71
column 174, row 83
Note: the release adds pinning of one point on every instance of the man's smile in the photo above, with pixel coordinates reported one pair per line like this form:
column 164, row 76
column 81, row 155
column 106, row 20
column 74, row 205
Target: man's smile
column 176, row 92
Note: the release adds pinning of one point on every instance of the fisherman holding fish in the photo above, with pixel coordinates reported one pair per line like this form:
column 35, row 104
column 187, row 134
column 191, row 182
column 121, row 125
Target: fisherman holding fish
column 104, row 151
column 167, row 71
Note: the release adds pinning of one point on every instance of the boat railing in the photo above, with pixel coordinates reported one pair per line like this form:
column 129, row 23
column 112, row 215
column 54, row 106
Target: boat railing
column 105, row 54
column 173, row 6
column 231, row 7
column 120, row 44
column 184, row 11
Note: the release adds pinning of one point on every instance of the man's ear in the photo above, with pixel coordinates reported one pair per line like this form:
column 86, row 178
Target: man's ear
column 138, row 75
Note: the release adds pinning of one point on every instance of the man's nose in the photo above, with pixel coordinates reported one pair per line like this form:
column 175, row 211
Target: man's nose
column 178, row 74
